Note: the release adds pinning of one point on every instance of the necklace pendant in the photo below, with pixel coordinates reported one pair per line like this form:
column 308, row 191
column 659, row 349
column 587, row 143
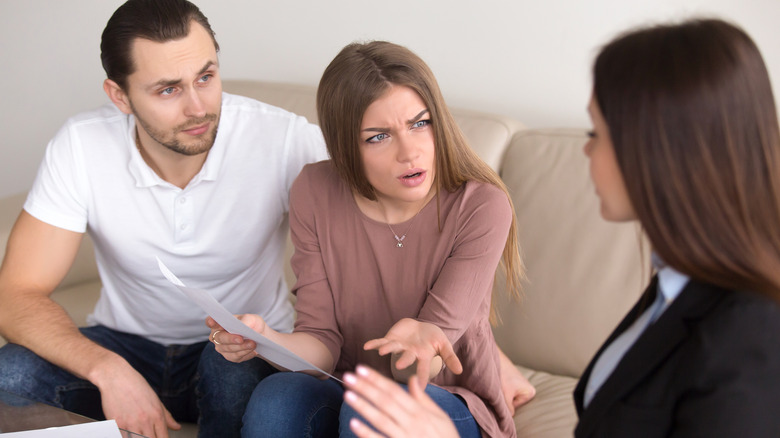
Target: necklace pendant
column 399, row 244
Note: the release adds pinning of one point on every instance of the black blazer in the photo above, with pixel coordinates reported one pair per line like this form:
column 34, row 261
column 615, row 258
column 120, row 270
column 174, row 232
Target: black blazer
column 708, row 367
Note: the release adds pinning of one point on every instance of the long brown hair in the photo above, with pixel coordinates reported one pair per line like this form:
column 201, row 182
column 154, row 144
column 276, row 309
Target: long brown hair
column 694, row 126
column 360, row 74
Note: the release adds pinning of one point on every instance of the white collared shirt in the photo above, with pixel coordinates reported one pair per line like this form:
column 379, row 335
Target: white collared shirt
column 670, row 285
column 225, row 232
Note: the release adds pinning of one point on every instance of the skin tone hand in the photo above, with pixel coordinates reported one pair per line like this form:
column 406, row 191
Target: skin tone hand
column 516, row 388
column 391, row 410
column 417, row 343
column 237, row 349
column 128, row 399
column 234, row 347
column 37, row 258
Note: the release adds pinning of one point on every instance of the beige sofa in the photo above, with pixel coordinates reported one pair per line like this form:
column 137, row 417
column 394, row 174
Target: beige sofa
column 583, row 273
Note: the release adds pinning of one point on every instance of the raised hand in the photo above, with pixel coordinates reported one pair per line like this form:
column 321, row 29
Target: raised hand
column 417, row 343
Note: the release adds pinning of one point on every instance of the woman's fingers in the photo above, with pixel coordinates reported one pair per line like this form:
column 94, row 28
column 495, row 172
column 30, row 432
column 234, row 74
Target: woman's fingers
column 391, row 410
column 379, row 400
column 363, row 431
column 450, row 359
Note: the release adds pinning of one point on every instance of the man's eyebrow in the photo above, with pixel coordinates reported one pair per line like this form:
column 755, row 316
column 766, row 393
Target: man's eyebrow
column 410, row 121
column 172, row 82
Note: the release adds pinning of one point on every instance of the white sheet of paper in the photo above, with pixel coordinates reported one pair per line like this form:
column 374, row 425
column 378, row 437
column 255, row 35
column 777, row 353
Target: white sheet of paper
column 97, row 429
column 265, row 347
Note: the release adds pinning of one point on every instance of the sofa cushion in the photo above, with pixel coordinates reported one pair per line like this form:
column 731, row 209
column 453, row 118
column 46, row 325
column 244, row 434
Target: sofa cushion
column 583, row 273
column 551, row 413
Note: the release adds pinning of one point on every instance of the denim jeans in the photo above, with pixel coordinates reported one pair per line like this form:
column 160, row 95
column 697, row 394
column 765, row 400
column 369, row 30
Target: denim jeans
column 194, row 382
column 298, row 405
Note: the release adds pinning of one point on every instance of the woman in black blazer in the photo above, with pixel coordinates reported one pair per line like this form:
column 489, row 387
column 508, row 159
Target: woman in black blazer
column 686, row 141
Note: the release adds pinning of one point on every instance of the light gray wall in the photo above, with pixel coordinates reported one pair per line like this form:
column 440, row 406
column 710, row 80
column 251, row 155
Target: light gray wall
column 528, row 59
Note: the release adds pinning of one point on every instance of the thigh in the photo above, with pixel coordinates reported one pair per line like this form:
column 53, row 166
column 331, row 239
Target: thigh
column 24, row 373
column 218, row 378
column 223, row 390
column 457, row 410
column 293, row 405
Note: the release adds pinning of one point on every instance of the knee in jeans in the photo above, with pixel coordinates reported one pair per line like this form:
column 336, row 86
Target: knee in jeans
column 18, row 365
column 292, row 404
column 279, row 386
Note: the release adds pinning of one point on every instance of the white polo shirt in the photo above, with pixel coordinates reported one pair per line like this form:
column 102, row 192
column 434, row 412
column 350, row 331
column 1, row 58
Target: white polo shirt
column 225, row 232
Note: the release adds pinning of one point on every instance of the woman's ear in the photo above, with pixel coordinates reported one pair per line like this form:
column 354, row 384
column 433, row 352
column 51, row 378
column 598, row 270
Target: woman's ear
column 117, row 95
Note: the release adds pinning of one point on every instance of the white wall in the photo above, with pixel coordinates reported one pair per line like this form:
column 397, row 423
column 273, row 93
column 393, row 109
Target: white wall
column 528, row 59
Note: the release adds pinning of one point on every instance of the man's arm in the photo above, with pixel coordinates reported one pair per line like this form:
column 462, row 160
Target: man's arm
column 37, row 258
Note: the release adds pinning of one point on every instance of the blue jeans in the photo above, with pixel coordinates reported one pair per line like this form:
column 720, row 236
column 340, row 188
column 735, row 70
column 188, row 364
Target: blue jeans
column 298, row 405
column 194, row 382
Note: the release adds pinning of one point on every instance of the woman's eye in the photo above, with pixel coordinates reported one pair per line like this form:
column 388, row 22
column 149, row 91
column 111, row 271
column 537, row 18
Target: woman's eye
column 592, row 134
column 421, row 123
column 377, row 138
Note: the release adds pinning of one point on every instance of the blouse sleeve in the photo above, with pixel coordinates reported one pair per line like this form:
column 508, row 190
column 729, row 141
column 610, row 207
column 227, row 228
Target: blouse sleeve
column 315, row 303
column 465, row 282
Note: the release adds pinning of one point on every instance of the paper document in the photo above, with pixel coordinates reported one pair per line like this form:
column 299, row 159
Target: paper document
column 266, row 348
column 98, row 429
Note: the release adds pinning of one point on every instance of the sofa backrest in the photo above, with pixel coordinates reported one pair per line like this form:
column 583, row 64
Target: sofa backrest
column 583, row 273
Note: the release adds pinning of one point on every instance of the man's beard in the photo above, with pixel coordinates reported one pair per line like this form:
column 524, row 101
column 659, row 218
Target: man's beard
column 196, row 147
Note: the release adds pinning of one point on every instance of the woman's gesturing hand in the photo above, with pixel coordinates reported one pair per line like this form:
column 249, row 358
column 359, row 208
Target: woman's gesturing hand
column 417, row 343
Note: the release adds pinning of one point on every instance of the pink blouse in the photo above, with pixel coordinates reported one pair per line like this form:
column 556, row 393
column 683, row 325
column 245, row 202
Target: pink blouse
column 354, row 283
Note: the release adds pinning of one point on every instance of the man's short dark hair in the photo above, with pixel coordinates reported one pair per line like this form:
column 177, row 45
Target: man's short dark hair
column 154, row 20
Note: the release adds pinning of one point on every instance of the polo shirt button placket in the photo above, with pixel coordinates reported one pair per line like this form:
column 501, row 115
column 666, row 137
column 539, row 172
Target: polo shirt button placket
column 183, row 207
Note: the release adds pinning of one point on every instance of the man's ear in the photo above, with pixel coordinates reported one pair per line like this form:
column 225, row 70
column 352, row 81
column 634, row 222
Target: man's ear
column 117, row 95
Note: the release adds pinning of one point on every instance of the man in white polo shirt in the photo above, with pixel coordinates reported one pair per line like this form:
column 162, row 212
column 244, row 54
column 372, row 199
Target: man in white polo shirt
column 173, row 169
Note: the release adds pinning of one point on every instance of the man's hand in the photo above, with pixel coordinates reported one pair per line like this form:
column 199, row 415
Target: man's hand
column 128, row 399
column 415, row 342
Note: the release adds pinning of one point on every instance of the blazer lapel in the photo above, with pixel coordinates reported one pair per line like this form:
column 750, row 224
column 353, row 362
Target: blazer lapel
column 645, row 300
column 651, row 348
